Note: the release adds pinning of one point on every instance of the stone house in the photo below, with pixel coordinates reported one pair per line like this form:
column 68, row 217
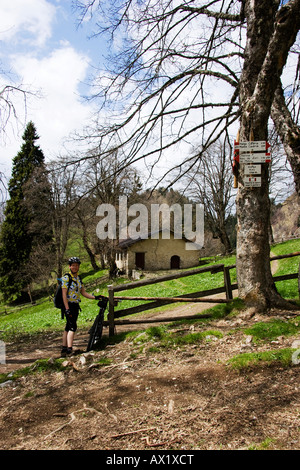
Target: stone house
column 153, row 254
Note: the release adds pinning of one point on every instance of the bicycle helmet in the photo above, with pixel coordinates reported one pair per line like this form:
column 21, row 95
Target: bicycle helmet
column 74, row 259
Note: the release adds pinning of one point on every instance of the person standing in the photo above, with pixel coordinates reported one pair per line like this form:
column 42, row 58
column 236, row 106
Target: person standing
column 71, row 292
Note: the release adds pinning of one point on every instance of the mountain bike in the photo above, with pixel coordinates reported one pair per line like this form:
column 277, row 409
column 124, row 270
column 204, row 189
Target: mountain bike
column 96, row 330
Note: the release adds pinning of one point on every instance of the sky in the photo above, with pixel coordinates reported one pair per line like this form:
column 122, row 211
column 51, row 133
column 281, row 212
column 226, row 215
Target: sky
column 43, row 50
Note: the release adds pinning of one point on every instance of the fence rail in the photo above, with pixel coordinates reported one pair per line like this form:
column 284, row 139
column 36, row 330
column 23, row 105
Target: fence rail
column 154, row 302
column 285, row 277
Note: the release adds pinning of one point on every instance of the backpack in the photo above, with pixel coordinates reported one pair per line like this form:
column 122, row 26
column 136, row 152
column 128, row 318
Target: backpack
column 58, row 300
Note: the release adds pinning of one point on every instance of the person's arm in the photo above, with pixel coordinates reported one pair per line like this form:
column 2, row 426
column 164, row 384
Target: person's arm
column 65, row 299
column 86, row 294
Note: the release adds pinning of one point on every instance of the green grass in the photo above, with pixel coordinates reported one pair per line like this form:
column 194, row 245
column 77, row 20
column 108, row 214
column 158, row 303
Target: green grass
column 162, row 337
column 265, row 445
column 42, row 318
column 287, row 289
column 267, row 331
column 282, row 357
column 38, row 367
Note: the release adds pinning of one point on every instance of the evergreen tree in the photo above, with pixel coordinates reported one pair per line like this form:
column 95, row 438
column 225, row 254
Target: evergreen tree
column 16, row 239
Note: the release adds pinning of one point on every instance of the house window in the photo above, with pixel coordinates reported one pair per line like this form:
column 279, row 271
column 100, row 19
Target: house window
column 140, row 260
column 175, row 262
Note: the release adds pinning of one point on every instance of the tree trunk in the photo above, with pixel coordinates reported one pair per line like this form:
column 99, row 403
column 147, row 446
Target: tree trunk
column 299, row 281
column 288, row 132
column 88, row 250
column 255, row 282
column 268, row 42
column 225, row 240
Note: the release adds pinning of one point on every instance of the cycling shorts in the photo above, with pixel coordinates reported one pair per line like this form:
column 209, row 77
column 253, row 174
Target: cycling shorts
column 71, row 317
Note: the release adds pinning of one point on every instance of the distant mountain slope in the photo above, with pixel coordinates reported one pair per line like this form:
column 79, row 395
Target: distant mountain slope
column 286, row 220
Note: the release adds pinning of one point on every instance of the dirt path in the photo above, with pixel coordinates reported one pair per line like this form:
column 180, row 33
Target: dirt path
column 274, row 264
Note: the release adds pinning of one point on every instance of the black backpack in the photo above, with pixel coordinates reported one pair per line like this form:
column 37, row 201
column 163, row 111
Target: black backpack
column 58, row 300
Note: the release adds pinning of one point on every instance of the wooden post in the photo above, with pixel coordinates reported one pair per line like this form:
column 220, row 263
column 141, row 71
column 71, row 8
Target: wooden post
column 111, row 311
column 227, row 283
column 299, row 281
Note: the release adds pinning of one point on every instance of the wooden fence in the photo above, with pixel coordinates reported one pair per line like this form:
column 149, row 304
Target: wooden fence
column 154, row 302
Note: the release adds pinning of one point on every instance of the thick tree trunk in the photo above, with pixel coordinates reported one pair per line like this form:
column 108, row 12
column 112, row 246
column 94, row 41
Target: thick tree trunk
column 268, row 42
column 256, row 286
column 299, row 281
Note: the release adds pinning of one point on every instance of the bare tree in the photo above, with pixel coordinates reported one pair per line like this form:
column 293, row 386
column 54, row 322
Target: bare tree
column 104, row 183
column 194, row 68
column 280, row 172
column 64, row 191
column 288, row 130
column 210, row 183
column 9, row 115
column 8, row 111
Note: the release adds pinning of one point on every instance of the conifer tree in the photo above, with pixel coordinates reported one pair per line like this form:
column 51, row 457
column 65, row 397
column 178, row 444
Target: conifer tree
column 16, row 239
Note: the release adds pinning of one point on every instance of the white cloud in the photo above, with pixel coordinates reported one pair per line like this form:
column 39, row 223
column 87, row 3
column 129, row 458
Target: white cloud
column 60, row 110
column 26, row 20
column 26, row 27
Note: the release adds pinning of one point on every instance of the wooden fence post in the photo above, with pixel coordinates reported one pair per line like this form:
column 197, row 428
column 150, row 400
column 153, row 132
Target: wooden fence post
column 227, row 283
column 299, row 281
column 111, row 310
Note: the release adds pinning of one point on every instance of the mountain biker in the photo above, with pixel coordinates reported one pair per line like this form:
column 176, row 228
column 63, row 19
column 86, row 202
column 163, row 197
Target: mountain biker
column 71, row 298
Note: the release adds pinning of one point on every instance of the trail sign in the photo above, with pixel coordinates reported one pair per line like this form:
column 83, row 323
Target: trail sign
column 250, row 154
column 253, row 157
column 252, row 169
column 257, row 151
column 252, row 181
column 255, row 145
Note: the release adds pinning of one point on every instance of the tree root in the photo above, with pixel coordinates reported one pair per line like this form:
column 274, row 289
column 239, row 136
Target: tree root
column 72, row 415
column 263, row 303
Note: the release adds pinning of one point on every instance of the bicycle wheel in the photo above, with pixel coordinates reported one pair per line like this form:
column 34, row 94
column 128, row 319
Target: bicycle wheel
column 95, row 332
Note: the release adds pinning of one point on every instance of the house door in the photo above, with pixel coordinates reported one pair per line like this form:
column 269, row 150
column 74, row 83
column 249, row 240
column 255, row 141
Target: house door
column 175, row 262
column 140, row 260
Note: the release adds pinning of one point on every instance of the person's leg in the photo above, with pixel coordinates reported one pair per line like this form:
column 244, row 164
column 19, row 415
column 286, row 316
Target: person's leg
column 70, row 339
column 69, row 332
column 71, row 327
column 64, row 339
column 64, row 344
